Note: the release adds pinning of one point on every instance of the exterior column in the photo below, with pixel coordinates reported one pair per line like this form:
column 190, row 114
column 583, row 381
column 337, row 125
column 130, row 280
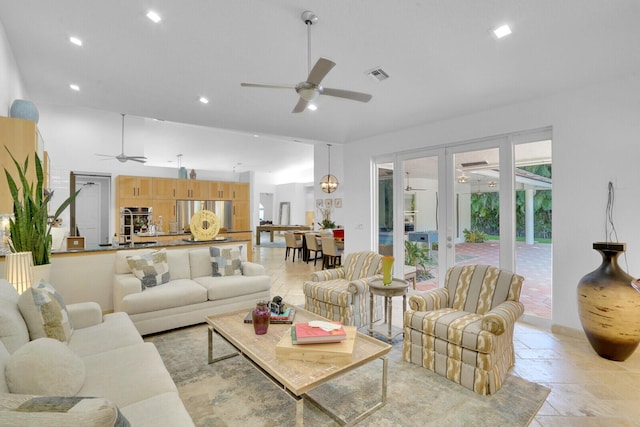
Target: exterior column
column 528, row 215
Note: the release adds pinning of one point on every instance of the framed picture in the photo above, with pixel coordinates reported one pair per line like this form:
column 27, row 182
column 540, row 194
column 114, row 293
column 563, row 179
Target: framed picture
column 328, row 203
column 337, row 203
column 319, row 204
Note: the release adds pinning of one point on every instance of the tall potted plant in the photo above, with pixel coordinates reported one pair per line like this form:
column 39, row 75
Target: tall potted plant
column 29, row 228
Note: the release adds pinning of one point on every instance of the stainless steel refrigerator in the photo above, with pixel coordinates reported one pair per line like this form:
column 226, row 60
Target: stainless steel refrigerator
column 186, row 208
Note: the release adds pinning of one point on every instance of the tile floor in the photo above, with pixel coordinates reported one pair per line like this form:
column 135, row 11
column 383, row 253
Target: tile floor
column 586, row 390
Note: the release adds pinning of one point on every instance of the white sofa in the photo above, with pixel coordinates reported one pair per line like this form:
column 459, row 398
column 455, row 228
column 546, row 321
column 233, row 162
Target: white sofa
column 117, row 365
column 191, row 294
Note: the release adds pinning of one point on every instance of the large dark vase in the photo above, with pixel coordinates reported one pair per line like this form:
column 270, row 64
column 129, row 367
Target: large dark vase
column 609, row 306
column 261, row 317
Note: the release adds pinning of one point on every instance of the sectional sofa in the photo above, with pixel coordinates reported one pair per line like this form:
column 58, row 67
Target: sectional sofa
column 95, row 371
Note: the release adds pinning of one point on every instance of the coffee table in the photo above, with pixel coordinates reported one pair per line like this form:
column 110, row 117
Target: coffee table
column 295, row 377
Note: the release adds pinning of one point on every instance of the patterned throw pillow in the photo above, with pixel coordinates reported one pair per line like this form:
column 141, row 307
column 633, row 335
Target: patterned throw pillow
column 225, row 260
column 152, row 268
column 45, row 313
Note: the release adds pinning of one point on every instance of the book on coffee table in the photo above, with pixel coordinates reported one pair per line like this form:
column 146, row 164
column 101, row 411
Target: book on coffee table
column 317, row 332
column 339, row 353
column 286, row 317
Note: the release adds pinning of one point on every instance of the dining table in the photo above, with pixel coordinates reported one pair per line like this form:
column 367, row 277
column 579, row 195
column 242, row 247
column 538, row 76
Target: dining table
column 305, row 250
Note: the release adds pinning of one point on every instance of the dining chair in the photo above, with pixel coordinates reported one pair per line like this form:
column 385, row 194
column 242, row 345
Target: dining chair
column 292, row 243
column 313, row 245
column 331, row 255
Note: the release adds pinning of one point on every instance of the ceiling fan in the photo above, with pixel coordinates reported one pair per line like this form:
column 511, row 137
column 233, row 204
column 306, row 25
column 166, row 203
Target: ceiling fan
column 311, row 88
column 123, row 157
column 410, row 188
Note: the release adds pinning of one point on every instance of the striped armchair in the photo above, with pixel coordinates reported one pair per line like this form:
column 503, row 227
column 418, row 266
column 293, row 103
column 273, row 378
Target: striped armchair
column 342, row 294
column 464, row 331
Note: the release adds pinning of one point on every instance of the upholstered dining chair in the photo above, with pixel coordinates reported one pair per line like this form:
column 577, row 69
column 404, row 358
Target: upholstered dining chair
column 342, row 293
column 292, row 243
column 313, row 245
column 464, row 331
column 331, row 255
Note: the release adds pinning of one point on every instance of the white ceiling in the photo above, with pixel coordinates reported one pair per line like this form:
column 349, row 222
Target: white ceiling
column 440, row 56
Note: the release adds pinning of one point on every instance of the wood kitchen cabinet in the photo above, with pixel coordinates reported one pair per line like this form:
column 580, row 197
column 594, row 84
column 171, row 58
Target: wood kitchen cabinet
column 22, row 139
column 191, row 189
column 134, row 187
column 239, row 191
column 241, row 215
column 164, row 188
column 166, row 209
column 220, row 190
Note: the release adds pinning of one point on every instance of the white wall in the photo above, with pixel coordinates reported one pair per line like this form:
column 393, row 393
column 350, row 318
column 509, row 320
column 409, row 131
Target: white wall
column 596, row 138
column 11, row 86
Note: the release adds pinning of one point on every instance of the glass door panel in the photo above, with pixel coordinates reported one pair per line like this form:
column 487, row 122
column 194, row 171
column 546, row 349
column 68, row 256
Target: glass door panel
column 385, row 208
column 475, row 207
column 421, row 221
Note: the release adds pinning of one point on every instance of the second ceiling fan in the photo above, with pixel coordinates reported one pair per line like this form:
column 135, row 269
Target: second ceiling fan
column 311, row 88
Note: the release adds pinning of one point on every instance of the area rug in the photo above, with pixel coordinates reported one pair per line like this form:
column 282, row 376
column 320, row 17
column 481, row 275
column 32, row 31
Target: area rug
column 234, row 393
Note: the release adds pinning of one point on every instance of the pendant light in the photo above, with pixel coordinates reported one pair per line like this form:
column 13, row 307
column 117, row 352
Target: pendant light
column 329, row 183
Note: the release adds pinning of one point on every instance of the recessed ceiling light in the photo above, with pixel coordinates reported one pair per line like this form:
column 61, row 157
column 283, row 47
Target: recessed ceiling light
column 203, row 100
column 74, row 87
column 502, row 31
column 75, row 41
column 154, row 16
column 312, row 107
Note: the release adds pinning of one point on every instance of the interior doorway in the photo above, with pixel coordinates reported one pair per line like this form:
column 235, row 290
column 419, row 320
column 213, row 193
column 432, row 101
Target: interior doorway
column 90, row 214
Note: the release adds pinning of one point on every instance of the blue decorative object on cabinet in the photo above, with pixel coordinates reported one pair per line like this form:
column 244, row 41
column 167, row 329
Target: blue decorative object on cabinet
column 23, row 109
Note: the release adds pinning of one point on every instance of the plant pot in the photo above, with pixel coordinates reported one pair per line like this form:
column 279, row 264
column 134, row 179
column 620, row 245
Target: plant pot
column 609, row 306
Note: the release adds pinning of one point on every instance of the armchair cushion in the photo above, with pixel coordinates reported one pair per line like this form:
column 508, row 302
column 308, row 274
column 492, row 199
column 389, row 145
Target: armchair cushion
column 85, row 314
column 45, row 313
column 325, row 275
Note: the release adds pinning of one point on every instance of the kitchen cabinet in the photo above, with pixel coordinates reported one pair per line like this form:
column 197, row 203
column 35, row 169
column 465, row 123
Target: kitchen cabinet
column 191, row 189
column 21, row 138
column 134, row 187
column 165, row 209
column 220, row 190
column 241, row 215
column 164, row 188
column 239, row 191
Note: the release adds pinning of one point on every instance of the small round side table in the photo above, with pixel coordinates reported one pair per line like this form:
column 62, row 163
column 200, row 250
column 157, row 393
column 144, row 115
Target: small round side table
column 397, row 287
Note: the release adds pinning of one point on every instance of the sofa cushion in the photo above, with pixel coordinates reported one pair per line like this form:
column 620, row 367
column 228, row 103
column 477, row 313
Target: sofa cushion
column 151, row 268
column 233, row 286
column 8, row 292
column 121, row 264
column 176, row 293
column 115, row 331
column 45, row 366
column 126, row 375
column 178, row 260
column 164, row 409
column 225, row 261
column 67, row 411
column 4, row 358
column 200, row 262
column 13, row 329
column 45, row 314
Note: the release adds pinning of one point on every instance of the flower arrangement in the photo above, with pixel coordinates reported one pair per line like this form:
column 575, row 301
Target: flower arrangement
column 326, row 222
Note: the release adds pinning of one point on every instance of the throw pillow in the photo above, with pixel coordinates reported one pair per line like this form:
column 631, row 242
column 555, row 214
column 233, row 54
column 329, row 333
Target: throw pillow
column 45, row 367
column 152, row 268
column 45, row 313
column 60, row 410
column 225, row 261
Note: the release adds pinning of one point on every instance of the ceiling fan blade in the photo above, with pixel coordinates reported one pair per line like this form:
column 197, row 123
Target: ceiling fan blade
column 347, row 94
column 300, row 106
column 320, row 70
column 106, row 155
column 247, row 84
column 137, row 159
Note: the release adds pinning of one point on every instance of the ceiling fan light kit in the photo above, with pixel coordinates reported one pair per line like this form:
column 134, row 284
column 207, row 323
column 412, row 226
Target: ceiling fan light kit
column 310, row 89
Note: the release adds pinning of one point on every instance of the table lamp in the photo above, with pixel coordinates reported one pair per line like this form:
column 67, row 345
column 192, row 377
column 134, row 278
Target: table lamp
column 18, row 270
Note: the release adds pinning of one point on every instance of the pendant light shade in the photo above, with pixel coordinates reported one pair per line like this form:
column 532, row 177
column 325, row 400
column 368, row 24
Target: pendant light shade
column 329, row 183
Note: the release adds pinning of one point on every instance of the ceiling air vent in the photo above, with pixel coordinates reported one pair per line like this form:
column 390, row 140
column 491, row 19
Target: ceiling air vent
column 377, row 74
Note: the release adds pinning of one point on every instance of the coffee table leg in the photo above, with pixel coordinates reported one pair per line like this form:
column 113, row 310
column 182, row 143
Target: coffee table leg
column 300, row 412
column 210, row 337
